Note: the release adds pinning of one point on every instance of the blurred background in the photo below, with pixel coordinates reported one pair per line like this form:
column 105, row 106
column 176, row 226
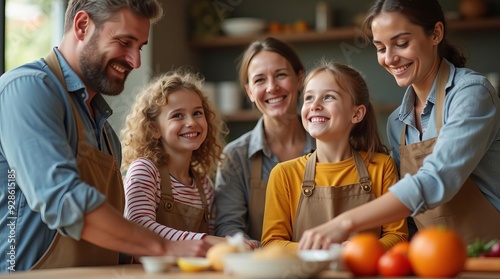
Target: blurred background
column 210, row 35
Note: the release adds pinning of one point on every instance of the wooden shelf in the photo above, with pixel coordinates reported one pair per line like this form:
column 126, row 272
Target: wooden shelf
column 307, row 36
column 243, row 116
column 332, row 34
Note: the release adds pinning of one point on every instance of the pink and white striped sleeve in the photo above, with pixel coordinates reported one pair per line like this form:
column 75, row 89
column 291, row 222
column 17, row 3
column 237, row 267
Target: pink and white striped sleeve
column 142, row 198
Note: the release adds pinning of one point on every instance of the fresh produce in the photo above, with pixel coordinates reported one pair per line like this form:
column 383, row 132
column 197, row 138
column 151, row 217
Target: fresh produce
column 400, row 248
column 193, row 264
column 394, row 264
column 479, row 248
column 216, row 254
column 437, row 252
column 495, row 250
column 362, row 253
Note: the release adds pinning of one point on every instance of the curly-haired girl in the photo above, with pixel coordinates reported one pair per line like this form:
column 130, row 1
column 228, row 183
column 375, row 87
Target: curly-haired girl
column 172, row 143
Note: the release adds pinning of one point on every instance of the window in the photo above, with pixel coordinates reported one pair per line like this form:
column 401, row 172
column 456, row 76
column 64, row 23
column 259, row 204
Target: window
column 32, row 28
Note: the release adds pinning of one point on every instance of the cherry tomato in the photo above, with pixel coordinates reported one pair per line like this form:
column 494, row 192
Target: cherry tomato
column 394, row 265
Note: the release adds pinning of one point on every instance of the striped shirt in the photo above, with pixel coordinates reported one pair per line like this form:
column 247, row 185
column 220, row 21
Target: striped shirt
column 143, row 196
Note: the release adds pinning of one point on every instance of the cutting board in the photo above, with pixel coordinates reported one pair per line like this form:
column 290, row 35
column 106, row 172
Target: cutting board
column 483, row 264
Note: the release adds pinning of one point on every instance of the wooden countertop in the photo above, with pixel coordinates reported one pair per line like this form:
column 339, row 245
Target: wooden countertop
column 136, row 272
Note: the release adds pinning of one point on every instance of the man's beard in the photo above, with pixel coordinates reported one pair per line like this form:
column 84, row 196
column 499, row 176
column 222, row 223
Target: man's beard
column 94, row 70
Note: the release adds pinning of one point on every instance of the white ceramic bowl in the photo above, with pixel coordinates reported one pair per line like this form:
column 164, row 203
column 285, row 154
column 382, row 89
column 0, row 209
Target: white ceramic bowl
column 315, row 261
column 243, row 26
column 309, row 264
column 157, row 264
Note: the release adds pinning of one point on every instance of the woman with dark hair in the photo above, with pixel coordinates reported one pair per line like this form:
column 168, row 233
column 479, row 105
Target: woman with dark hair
column 271, row 73
column 445, row 136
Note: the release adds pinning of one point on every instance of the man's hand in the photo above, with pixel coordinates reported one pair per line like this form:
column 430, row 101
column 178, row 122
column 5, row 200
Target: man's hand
column 187, row 248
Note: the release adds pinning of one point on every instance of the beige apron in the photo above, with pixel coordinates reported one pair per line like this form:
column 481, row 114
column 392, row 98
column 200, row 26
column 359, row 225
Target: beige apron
column 468, row 212
column 99, row 170
column 178, row 215
column 318, row 205
column 257, row 198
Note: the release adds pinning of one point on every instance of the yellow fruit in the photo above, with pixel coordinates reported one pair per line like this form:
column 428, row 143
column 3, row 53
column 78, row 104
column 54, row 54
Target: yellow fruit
column 274, row 27
column 193, row 264
column 301, row 26
column 216, row 254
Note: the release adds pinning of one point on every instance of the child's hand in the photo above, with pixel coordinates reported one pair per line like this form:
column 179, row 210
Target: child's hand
column 251, row 244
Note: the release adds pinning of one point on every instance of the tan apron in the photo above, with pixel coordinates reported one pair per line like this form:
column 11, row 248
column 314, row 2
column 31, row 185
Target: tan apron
column 257, row 198
column 468, row 212
column 99, row 170
column 318, row 205
column 178, row 215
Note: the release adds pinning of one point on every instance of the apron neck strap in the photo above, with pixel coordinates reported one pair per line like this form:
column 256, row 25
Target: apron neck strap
column 364, row 177
column 166, row 185
column 442, row 78
column 308, row 183
column 256, row 171
column 55, row 67
column 443, row 74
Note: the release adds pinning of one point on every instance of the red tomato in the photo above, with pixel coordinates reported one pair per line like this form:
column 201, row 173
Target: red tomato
column 394, row 265
column 495, row 250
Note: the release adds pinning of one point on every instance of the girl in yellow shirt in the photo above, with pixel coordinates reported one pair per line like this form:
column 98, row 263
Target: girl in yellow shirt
column 349, row 167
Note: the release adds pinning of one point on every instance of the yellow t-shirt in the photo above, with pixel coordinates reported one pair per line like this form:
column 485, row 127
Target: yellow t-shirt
column 284, row 190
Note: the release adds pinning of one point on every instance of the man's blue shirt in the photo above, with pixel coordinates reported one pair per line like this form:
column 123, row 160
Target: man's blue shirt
column 40, row 188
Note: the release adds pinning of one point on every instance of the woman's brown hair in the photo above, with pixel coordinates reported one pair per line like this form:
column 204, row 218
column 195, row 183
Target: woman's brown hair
column 424, row 13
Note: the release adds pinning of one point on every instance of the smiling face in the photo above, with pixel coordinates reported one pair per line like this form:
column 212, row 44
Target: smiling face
column 112, row 51
column 272, row 85
column 405, row 50
column 182, row 124
column 328, row 113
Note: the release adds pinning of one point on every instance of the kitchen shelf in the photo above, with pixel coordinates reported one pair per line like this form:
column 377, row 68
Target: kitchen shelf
column 243, row 115
column 292, row 37
column 340, row 33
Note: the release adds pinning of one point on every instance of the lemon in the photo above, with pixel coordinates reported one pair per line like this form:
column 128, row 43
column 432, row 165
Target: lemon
column 193, row 264
column 216, row 254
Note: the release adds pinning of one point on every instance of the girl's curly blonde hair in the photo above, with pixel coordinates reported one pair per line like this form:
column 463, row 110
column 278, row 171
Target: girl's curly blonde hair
column 137, row 136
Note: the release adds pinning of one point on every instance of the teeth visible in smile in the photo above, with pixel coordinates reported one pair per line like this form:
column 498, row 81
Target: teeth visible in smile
column 275, row 100
column 318, row 119
column 400, row 69
column 190, row 135
column 118, row 68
